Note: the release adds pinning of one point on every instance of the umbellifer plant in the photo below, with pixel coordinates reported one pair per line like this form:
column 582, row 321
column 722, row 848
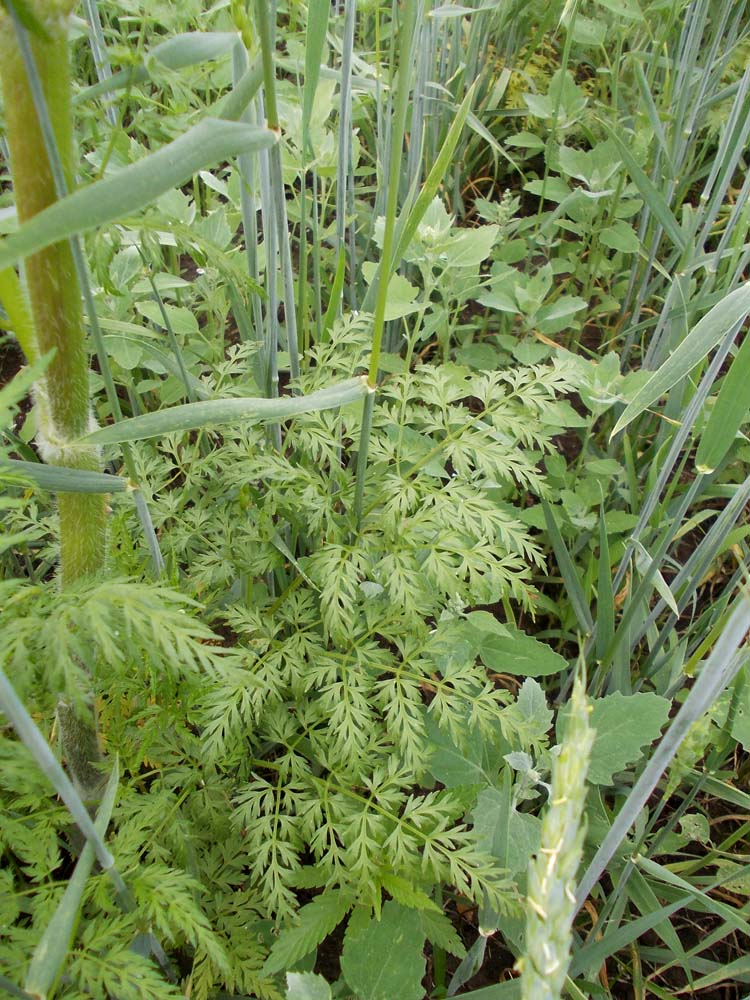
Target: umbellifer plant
column 50, row 320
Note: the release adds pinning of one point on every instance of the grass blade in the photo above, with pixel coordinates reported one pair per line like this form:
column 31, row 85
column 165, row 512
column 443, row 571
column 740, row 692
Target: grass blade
column 132, row 188
column 193, row 416
column 650, row 193
column 58, row 479
column 569, row 574
column 717, row 672
column 50, row 954
column 728, row 412
column 705, row 335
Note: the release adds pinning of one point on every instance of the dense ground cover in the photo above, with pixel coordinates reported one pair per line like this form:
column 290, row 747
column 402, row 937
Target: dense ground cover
column 374, row 554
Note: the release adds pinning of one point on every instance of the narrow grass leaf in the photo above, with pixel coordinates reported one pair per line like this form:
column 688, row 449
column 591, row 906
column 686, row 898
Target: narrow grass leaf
column 650, row 193
column 336, row 290
column 718, row 671
column 12, row 990
column 568, row 572
column 727, row 913
column 212, row 140
column 605, row 597
column 49, row 955
column 35, row 743
column 729, row 973
column 193, row 416
column 594, row 954
column 315, row 37
column 61, row 480
column 704, row 336
column 728, row 413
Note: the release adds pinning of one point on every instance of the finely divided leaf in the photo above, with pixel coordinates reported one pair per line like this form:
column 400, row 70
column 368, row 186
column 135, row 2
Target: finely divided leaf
column 316, row 921
column 439, row 931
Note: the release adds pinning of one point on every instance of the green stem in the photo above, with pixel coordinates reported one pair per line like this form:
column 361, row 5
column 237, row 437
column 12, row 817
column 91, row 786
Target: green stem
column 36, row 84
column 387, row 263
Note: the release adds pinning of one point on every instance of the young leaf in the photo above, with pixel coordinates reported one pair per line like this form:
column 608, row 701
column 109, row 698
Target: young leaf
column 386, row 959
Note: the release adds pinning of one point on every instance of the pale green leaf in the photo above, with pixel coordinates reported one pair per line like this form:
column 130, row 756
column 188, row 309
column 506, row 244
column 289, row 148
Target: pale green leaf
column 386, row 960
column 624, row 725
column 306, row 986
column 192, row 416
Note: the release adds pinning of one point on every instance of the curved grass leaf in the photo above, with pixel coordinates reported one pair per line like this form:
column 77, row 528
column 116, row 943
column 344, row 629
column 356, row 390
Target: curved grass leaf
column 729, row 412
column 212, row 140
column 193, row 416
column 718, row 671
column 49, row 955
column 704, row 336
column 29, row 734
column 61, row 480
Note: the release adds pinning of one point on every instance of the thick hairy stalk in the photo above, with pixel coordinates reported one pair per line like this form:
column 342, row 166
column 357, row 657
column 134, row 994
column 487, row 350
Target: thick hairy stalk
column 63, row 410
column 551, row 901
column 62, row 395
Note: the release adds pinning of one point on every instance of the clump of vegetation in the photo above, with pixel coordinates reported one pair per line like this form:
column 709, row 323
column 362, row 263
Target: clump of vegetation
column 383, row 378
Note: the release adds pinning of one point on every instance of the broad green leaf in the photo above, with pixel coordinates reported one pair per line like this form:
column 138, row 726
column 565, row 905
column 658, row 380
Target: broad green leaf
column 306, row 986
column 469, row 247
column 50, row 954
column 385, row 960
column 211, row 412
column 728, row 414
column 212, row 140
column 61, row 480
column 620, row 236
column 401, row 293
column 315, row 922
column 506, row 649
column 624, row 725
column 472, row 763
column 628, row 9
column 508, row 835
column 704, row 336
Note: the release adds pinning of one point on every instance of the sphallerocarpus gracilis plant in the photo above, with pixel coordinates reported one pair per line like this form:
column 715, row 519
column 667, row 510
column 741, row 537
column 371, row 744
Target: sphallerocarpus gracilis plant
column 54, row 294
column 50, row 321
